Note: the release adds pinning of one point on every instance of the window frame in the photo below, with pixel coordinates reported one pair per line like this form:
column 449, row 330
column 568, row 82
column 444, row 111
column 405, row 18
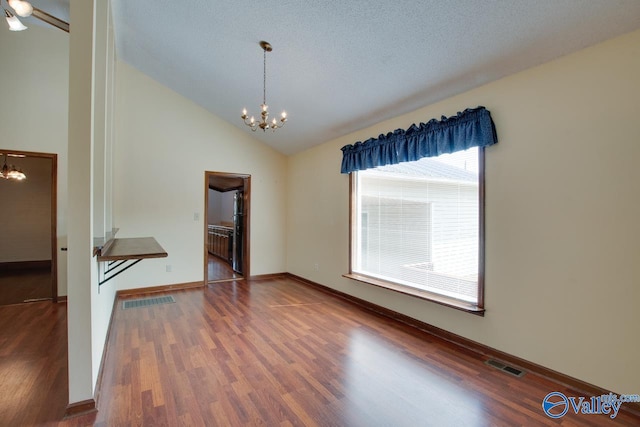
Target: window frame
column 477, row 309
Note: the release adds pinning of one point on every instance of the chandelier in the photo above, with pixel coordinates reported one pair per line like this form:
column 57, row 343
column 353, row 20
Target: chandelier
column 264, row 123
column 10, row 171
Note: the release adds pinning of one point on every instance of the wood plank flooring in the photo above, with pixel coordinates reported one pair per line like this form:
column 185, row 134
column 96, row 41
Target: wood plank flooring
column 219, row 270
column 265, row 353
column 16, row 286
column 279, row 353
column 33, row 364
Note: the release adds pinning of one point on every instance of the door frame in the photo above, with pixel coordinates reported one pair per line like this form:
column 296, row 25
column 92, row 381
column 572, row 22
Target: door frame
column 246, row 219
column 54, row 212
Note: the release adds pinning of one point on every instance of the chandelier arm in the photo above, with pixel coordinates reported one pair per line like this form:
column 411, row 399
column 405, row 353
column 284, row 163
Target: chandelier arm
column 253, row 125
column 275, row 126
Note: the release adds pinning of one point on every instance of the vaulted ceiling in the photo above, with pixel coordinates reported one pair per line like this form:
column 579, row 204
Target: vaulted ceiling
column 338, row 66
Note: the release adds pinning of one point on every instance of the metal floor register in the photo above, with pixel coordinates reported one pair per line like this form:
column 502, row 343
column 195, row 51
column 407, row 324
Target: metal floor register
column 145, row 302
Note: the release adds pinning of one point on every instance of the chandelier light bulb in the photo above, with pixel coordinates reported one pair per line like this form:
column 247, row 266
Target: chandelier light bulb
column 284, row 114
column 16, row 174
column 22, row 8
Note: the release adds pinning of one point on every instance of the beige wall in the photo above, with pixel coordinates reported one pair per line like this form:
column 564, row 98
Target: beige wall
column 562, row 209
column 34, row 66
column 164, row 144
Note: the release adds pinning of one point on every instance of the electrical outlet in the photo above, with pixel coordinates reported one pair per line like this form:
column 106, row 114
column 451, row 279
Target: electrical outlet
column 168, row 268
column 316, row 266
column 196, row 216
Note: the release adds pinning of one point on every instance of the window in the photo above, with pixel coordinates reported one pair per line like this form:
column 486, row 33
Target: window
column 417, row 228
column 417, row 213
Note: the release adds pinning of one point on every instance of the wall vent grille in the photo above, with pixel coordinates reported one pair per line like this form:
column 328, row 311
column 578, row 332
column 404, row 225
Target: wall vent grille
column 145, row 302
column 506, row 368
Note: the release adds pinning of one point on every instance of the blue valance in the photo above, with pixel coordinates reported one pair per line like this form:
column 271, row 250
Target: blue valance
column 471, row 128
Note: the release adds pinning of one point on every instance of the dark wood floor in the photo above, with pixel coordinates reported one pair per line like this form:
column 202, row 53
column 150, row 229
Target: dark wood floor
column 271, row 353
column 33, row 364
column 18, row 286
column 278, row 353
column 220, row 270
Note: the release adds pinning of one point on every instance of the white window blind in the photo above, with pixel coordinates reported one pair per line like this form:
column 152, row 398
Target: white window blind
column 417, row 224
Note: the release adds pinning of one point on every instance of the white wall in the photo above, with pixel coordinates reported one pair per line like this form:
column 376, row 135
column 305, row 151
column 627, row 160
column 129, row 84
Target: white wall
column 220, row 207
column 226, row 206
column 89, row 307
column 562, row 270
column 214, row 212
column 102, row 301
column 34, row 67
column 164, row 145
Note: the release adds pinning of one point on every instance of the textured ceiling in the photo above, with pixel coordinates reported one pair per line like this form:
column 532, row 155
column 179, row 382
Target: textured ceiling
column 339, row 66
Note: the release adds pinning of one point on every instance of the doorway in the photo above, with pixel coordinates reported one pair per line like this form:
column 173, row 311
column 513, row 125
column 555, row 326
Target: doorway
column 28, row 256
column 226, row 231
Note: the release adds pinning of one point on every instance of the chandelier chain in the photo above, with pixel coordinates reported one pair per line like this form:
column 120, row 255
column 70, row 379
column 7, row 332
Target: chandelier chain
column 264, row 77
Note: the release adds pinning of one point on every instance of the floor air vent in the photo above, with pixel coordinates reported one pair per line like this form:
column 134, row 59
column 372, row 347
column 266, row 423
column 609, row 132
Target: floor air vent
column 145, row 302
column 506, row 368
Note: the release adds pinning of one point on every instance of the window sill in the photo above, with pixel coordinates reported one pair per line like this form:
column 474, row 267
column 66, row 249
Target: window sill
column 425, row 295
